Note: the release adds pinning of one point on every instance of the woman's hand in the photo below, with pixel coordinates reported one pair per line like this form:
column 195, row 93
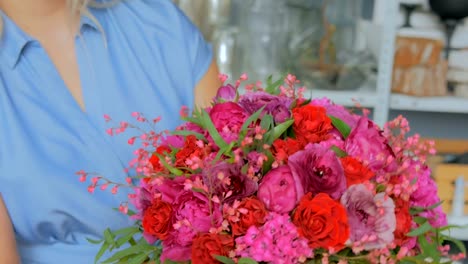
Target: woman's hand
column 8, row 252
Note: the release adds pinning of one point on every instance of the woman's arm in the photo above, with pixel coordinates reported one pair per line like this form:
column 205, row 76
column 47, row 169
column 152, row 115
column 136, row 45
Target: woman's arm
column 207, row 87
column 8, row 252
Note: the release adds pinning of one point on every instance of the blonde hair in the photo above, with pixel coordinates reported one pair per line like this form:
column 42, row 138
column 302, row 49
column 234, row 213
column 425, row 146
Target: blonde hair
column 81, row 7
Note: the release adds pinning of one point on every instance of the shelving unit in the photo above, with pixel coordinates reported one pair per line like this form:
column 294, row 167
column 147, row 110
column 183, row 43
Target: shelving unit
column 445, row 104
column 385, row 13
column 381, row 99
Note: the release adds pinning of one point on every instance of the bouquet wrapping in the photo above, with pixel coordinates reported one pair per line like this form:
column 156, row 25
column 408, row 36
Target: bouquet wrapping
column 269, row 176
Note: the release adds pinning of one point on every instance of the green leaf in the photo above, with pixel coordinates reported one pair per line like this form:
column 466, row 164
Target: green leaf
column 126, row 230
column 96, row 242
column 137, row 249
column 267, row 122
column 272, row 87
column 224, row 259
column 448, row 227
column 247, row 261
column 198, row 190
column 224, row 151
column 420, row 220
column 124, row 239
column 422, row 229
column 277, row 131
column 250, row 120
column 168, row 261
column 269, row 162
column 188, row 133
column 139, row 259
column 380, row 188
column 429, row 249
column 341, row 126
column 416, row 209
column 109, row 237
column 339, row 152
column 457, row 243
column 208, row 125
column 101, row 251
column 171, row 169
column 194, row 120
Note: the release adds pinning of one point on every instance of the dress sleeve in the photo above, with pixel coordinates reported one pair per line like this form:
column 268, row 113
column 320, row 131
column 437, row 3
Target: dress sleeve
column 198, row 50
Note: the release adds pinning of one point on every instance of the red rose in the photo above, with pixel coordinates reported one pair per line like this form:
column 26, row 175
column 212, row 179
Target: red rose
column 189, row 150
column 156, row 219
column 403, row 221
column 283, row 148
column 206, row 246
column 321, row 220
column 311, row 124
column 254, row 215
column 355, row 171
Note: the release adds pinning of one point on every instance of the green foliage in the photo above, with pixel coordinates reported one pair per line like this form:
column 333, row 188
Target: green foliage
column 136, row 252
column 340, row 153
column 341, row 126
column 278, row 131
column 272, row 87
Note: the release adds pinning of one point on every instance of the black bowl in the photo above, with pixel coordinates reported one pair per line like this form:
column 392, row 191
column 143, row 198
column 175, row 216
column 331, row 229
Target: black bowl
column 450, row 9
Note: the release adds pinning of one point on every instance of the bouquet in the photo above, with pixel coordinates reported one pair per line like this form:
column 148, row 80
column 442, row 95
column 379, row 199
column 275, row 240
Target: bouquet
column 269, row 176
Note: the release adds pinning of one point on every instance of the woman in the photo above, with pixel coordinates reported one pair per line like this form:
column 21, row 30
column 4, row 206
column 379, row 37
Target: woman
column 62, row 67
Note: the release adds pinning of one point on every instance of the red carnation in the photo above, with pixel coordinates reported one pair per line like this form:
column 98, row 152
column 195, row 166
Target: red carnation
column 206, row 246
column 189, row 150
column 355, row 171
column 311, row 124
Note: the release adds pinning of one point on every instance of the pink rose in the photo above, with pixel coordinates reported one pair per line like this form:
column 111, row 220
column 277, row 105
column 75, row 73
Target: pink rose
column 279, row 190
column 367, row 143
column 228, row 119
column 226, row 93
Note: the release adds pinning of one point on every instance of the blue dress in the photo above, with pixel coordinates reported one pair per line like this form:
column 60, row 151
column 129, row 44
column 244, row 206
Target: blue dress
column 147, row 58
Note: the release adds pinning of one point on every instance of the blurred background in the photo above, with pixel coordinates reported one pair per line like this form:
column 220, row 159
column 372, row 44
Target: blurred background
column 407, row 57
column 388, row 55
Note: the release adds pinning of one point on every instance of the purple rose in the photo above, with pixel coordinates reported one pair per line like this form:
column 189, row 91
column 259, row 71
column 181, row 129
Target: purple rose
column 367, row 143
column 279, row 190
column 228, row 119
column 318, row 170
column 276, row 106
column 226, row 93
column 369, row 216
column 227, row 178
column 192, row 215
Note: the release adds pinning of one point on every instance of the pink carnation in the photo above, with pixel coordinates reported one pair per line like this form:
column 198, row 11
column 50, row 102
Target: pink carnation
column 277, row 241
column 192, row 216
